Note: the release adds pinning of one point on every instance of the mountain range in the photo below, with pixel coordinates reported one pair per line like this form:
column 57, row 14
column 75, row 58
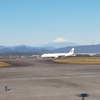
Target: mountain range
column 45, row 47
column 51, row 48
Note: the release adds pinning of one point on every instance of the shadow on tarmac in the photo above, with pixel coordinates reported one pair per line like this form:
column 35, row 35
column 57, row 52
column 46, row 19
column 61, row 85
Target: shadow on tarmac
column 83, row 95
column 8, row 89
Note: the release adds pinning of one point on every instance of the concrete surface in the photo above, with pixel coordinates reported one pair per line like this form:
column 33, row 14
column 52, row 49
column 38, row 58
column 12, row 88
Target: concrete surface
column 44, row 80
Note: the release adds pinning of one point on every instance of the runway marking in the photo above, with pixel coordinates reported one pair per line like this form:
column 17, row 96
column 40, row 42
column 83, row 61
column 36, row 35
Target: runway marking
column 82, row 73
column 43, row 78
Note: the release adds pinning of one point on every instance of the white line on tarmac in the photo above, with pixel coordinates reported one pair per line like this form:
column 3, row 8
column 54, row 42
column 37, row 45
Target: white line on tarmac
column 59, row 77
column 82, row 73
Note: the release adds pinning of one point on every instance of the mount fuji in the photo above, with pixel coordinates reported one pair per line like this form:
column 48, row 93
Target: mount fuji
column 59, row 43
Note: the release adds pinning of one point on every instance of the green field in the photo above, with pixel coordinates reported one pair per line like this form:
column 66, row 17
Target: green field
column 3, row 64
column 79, row 60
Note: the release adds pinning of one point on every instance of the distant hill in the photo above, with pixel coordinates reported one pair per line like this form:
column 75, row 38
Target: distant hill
column 41, row 50
column 81, row 49
column 1, row 46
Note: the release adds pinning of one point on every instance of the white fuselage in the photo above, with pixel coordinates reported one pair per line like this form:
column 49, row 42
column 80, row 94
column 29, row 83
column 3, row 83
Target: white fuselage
column 57, row 55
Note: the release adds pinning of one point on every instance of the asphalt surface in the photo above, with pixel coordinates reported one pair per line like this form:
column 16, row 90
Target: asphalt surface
column 38, row 79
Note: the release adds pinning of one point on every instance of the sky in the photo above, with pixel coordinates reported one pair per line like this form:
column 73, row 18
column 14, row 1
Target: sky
column 36, row 22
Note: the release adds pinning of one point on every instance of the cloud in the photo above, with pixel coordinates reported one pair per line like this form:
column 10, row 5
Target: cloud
column 61, row 40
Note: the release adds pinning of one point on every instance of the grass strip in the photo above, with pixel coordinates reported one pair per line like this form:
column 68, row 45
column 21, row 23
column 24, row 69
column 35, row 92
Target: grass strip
column 79, row 60
column 3, row 64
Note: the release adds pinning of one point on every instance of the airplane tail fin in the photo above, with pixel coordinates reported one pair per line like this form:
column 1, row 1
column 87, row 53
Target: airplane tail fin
column 72, row 51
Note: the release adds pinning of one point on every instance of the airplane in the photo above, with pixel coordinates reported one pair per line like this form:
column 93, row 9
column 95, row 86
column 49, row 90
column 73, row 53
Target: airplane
column 58, row 55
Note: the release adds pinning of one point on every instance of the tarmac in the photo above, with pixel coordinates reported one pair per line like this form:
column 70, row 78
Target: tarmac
column 41, row 79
